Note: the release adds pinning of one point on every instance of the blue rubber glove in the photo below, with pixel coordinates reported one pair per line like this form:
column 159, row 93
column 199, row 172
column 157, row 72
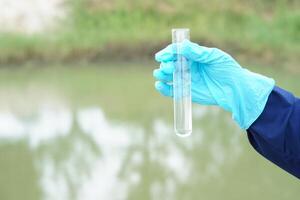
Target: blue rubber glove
column 217, row 79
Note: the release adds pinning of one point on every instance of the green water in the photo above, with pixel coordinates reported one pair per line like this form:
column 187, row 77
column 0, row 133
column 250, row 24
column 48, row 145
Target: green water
column 102, row 132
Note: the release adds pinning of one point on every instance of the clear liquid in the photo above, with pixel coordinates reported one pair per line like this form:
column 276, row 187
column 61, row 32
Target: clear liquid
column 182, row 97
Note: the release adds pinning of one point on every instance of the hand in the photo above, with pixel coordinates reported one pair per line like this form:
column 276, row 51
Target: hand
column 217, row 79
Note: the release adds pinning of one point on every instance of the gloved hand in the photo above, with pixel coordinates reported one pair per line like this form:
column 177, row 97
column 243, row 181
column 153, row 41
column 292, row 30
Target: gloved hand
column 217, row 79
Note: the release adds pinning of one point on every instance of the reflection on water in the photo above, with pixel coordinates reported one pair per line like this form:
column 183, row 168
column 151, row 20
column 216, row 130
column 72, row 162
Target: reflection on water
column 46, row 125
column 83, row 155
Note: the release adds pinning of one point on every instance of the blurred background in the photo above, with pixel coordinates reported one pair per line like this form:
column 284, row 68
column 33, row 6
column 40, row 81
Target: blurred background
column 79, row 116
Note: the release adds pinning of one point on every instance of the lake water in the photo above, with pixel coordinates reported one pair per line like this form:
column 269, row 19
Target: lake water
column 102, row 132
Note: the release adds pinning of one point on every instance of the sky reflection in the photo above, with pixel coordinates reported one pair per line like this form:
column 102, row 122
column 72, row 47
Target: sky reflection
column 83, row 155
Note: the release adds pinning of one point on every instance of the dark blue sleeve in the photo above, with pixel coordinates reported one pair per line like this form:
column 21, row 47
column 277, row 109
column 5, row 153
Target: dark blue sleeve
column 276, row 132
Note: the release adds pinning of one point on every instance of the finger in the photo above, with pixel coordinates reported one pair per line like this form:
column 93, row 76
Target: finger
column 201, row 54
column 195, row 71
column 161, row 76
column 166, row 54
column 167, row 67
column 164, row 89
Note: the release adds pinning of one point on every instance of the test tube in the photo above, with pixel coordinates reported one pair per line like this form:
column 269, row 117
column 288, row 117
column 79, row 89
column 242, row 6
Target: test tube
column 181, row 86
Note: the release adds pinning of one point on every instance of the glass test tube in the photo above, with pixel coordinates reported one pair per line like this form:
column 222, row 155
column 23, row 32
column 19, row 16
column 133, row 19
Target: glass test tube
column 182, row 87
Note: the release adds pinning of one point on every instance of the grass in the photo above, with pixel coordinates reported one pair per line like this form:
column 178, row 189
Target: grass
column 97, row 30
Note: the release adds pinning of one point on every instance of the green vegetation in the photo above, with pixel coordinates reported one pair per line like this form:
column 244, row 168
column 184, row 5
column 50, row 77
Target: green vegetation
column 95, row 30
column 99, row 57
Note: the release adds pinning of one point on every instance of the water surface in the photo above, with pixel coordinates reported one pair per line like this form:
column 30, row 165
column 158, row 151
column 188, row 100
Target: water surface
column 102, row 132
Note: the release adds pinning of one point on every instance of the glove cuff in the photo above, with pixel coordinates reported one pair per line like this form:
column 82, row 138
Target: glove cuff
column 254, row 91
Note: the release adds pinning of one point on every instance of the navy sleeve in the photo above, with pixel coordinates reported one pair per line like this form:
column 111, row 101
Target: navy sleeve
column 276, row 132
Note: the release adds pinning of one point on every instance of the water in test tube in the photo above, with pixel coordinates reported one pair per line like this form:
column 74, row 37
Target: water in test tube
column 182, row 86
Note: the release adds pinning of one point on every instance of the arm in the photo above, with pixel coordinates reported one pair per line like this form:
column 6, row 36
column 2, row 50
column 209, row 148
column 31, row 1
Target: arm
column 270, row 115
column 276, row 132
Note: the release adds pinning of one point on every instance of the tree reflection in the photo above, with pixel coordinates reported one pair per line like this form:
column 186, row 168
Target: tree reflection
column 83, row 155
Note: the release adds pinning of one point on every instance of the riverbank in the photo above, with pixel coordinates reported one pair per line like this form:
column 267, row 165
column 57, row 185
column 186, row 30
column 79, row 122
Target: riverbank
column 257, row 31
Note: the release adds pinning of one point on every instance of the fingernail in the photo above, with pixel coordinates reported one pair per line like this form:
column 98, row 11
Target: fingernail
column 155, row 72
column 158, row 85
